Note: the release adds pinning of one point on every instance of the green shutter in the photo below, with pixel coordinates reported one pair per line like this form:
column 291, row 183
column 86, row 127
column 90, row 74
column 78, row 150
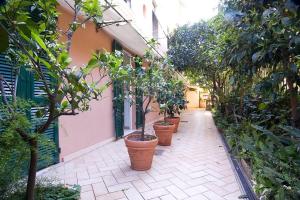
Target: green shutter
column 139, row 103
column 30, row 89
column 48, row 154
column 118, row 91
column 6, row 70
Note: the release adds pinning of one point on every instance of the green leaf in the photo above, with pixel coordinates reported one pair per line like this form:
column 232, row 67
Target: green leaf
column 64, row 104
column 41, row 43
column 64, row 59
column 257, row 56
column 92, row 8
column 37, row 38
column 291, row 130
column 3, row 40
column 92, row 64
column 45, row 63
column 262, row 106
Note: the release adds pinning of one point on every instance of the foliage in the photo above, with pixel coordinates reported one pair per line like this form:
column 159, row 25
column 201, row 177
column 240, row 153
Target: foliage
column 46, row 190
column 13, row 151
column 248, row 57
column 30, row 30
column 171, row 97
column 184, row 45
column 148, row 79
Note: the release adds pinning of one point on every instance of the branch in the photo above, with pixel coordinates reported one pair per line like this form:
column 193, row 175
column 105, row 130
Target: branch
column 67, row 113
column 4, row 99
column 50, row 119
column 24, row 136
column 6, row 83
column 148, row 103
column 70, row 32
column 69, row 5
column 16, row 84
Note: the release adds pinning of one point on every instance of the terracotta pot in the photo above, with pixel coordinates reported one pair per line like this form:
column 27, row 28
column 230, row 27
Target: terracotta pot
column 164, row 132
column 140, row 152
column 174, row 120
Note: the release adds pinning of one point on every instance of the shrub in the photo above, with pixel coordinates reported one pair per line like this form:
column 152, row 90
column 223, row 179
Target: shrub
column 45, row 190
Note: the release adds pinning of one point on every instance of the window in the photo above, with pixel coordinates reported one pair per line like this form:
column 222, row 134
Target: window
column 154, row 26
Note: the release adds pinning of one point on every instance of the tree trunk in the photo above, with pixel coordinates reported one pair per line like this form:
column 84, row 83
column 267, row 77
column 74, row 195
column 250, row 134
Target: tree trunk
column 32, row 170
column 144, row 117
column 293, row 103
column 143, row 127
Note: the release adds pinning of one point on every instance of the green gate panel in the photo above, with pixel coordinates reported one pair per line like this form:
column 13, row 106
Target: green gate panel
column 118, row 103
column 30, row 89
column 118, row 109
column 139, row 102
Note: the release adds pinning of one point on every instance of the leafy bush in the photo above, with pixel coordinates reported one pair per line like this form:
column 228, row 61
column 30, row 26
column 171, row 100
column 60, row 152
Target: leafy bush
column 171, row 95
column 271, row 148
column 46, row 190
column 248, row 56
column 13, row 150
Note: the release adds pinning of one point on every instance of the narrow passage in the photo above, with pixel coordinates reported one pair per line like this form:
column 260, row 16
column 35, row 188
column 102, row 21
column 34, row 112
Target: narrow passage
column 196, row 167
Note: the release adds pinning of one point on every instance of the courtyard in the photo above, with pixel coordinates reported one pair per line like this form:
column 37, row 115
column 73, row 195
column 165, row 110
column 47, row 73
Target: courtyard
column 196, row 166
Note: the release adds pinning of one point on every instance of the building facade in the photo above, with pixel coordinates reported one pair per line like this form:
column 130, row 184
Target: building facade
column 138, row 22
column 105, row 121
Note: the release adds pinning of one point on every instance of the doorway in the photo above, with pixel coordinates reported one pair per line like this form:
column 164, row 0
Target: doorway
column 128, row 128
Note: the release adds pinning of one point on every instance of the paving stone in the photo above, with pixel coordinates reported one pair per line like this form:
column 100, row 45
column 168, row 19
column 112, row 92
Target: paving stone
column 233, row 196
column 233, row 187
column 167, row 197
column 82, row 175
column 198, row 174
column 86, row 188
column 127, row 179
column 119, row 187
column 194, row 167
column 154, row 193
column 195, row 190
column 159, row 184
column 179, row 183
column 176, row 192
column 197, row 197
column 112, row 196
column 99, row 189
column 109, row 180
column 141, row 186
column 212, row 195
column 89, row 181
column 133, row 194
column 87, row 195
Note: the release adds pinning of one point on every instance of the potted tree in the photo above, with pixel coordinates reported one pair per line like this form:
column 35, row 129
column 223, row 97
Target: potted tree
column 30, row 39
column 175, row 102
column 148, row 79
column 165, row 129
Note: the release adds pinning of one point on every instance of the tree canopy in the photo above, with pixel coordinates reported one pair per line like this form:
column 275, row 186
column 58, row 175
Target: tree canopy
column 248, row 56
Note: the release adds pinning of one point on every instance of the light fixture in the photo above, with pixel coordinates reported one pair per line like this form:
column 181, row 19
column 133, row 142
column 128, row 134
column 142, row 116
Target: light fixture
column 109, row 23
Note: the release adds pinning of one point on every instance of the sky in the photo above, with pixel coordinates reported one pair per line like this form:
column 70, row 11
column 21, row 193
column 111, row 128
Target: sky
column 195, row 10
column 174, row 14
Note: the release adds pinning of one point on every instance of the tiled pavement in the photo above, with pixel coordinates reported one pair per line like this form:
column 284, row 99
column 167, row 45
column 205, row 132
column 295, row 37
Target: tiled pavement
column 195, row 167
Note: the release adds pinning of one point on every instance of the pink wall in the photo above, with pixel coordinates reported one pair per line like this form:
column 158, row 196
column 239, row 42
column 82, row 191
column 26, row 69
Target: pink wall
column 154, row 114
column 95, row 125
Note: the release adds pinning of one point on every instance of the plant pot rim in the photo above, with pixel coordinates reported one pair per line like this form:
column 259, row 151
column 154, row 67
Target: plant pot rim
column 158, row 123
column 137, row 133
column 172, row 117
